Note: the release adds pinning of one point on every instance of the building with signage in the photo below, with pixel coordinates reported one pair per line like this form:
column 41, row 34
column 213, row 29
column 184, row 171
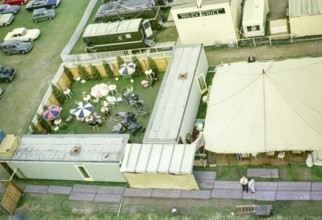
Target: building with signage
column 211, row 22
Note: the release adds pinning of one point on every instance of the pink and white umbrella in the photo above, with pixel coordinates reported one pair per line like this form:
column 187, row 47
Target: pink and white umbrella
column 51, row 112
column 99, row 90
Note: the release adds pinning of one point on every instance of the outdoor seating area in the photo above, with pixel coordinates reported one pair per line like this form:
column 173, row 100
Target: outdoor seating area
column 105, row 106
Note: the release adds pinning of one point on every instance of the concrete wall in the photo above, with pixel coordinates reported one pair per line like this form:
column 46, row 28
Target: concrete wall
column 206, row 29
column 306, row 25
column 108, row 172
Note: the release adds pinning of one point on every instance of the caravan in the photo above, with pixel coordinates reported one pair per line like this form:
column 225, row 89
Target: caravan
column 119, row 35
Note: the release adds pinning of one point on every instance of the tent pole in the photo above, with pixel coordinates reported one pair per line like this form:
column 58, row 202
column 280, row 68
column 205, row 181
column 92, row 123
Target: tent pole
column 269, row 161
column 288, row 156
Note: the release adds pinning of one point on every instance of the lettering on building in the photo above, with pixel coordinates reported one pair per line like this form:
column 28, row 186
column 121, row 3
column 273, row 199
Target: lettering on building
column 201, row 13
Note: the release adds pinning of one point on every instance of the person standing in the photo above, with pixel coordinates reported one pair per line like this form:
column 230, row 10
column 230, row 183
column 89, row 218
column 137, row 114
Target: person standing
column 251, row 184
column 244, row 183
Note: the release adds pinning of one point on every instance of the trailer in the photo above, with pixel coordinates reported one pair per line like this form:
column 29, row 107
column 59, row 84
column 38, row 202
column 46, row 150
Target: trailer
column 118, row 35
column 130, row 9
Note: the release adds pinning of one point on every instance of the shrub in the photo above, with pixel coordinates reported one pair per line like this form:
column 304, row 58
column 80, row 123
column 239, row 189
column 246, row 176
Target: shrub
column 43, row 123
column 152, row 65
column 119, row 60
column 68, row 73
column 139, row 68
column 107, row 68
column 95, row 73
column 83, row 72
column 59, row 95
column 63, row 126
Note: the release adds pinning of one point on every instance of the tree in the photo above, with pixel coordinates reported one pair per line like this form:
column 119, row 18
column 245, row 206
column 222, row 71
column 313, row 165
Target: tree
column 139, row 68
column 152, row 65
column 83, row 72
column 95, row 73
column 107, row 68
column 43, row 123
column 68, row 73
column 119, row 60
column 59, row 95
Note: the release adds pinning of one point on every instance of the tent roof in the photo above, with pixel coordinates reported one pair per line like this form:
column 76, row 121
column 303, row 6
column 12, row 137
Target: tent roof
column 58, row 148
column 158, row 158
column 265, row 106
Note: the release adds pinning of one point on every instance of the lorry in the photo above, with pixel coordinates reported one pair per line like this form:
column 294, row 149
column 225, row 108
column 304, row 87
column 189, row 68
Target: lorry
column 130, row 9
column 118, row 35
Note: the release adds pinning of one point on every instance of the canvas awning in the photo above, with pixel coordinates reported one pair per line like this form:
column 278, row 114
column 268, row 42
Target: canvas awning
column 265, row 106
column 158, row 158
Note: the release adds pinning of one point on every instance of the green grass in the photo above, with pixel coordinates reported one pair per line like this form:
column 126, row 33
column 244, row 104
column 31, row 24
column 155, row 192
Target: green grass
column 36, row 69
column 147, row 94
column 166, row 34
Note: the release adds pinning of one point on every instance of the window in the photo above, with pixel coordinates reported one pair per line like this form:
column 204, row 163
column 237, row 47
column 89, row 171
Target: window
column 81, row 169
column 253, row 28
column 202, row 83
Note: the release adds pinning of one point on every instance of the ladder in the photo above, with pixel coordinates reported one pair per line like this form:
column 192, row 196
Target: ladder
column 245, row 209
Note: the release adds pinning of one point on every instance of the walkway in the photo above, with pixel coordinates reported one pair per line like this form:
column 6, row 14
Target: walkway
column 210, row 189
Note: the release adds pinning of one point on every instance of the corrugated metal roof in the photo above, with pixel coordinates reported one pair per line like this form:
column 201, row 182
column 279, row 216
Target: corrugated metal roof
column 299, row 8
column 93, row 148
column 158, row 158
column 117, row 27
column 169, row 109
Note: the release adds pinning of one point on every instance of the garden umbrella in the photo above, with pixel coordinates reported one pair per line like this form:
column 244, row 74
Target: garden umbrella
column 51, row 112
column 99, row 90
column 127, row 68
column 83, row 110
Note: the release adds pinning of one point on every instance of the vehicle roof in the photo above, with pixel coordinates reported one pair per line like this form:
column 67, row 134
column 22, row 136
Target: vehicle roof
column 17, row 30
column 118, row 27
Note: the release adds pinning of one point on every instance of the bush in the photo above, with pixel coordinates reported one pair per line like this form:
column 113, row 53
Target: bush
column 63, row 126
column 107, row 68
column 68, row 73
column 83, row 72
column 96, row 74
column 119, row 60
column 152, row 65
column 59, row 95
column 139, row 68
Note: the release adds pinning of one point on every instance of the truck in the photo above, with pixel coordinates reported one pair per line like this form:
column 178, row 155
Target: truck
column 130, row 9
column 118, row 35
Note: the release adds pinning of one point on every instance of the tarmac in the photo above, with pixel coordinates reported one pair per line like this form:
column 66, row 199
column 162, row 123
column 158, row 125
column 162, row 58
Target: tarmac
column 210, row 188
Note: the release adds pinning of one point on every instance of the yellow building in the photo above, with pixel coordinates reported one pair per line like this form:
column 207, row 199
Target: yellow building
column 305, row 17
column 211, row 22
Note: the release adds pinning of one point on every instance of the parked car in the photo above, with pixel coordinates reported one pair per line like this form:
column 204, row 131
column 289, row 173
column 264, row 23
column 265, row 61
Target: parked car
column 14, row 2
column 7, row 74
column 6, row 19
column 23, row 34
column 8, row 9
column 42, row 14
column 15, row 47
column 1, row 92
column 34, row 4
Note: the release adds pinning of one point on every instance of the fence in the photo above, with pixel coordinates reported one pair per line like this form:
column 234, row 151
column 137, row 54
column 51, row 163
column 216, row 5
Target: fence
column 61, row 80
column 71, row 43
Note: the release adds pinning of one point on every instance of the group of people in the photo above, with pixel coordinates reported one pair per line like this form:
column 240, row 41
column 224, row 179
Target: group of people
column 247, row 183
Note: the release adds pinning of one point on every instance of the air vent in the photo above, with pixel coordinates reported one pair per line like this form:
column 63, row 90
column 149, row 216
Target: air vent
column 75, row 151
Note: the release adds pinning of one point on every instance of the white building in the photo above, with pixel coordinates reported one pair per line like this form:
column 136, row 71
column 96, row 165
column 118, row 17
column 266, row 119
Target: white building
column 212, row 22
column 305, row 17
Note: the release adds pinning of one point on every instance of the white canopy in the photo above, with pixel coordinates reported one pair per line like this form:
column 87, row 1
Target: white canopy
column 158, row 158
column 269, row 106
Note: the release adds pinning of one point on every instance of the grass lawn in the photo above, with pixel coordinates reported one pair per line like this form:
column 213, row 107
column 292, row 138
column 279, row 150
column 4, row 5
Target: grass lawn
column 147, row 94
column 36, row 69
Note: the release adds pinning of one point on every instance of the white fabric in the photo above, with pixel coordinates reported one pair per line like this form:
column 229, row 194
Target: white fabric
column 252, row 112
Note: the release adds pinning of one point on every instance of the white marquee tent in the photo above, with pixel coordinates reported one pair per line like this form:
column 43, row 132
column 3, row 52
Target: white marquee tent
column 265, row 106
